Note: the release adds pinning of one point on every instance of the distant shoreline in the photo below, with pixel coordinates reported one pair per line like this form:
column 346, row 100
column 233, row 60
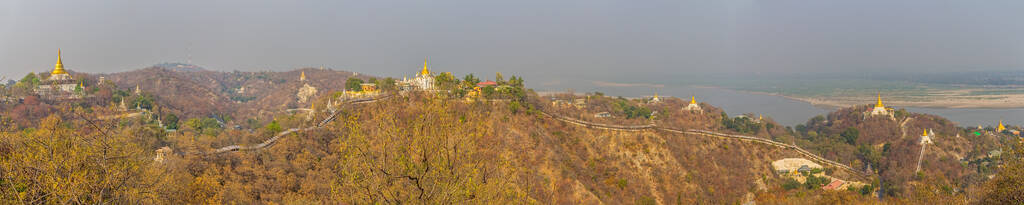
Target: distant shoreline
column 940, row 102
column 949, row 99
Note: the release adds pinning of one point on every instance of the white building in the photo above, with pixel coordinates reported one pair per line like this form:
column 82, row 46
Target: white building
column 423, row 81
column 926, row 138
column 693, row 106
column 655, row 99
column 59, row 84
column 881, row 110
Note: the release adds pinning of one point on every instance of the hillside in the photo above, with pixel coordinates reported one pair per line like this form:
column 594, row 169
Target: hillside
column 240, row 95
column 505, row 145
column 892, row 148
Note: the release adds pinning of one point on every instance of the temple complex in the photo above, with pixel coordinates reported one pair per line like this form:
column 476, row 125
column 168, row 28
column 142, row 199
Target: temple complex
column 881, row 110
column 306, row 92
column 655, row 99
column 693, row 106
column 59, row 85
column 925, row 138
column 423, row 81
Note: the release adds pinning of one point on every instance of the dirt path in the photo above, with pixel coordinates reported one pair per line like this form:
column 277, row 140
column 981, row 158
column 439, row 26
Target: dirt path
column 636, row 128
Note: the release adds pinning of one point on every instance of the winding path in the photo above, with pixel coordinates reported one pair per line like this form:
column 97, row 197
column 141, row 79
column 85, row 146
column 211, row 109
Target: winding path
column 273, row 140
column 634, row 128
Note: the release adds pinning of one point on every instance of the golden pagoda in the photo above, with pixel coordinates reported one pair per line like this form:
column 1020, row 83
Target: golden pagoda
column 880, row 108
column 693, row 106
column 423, row 80
column 425, row 71
column 59, row 84
column 58, row 73
column 303, row 76
column 925, row 138
column 1000, row 128
column 879, row 103
column 58, row 68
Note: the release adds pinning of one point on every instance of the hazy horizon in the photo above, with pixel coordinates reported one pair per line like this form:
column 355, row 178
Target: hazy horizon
column 541, row 40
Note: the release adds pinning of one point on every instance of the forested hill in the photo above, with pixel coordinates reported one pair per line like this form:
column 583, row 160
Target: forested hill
column 957, row 160
column 496, row 145
column 240, row 95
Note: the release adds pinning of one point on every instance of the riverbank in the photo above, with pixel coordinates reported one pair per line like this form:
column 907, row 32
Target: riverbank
column 949, row 99
column 946, row 102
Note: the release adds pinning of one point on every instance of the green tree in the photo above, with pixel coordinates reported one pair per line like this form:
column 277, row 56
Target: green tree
column 387, row 84
column 470, row 81
column 498, row 78
column 850, row 135
column 273, row 127
column 446, row 81
column 790, row 183
column 30, row 79
column 171, row 121
column 354, row 84
column 205, row 126
column 144, row 101
column 516, row 82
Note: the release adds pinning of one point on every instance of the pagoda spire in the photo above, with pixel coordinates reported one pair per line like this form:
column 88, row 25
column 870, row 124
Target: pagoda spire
column 879, row 103
column 59, row 67
column 303, row 76
column 693, row 100
column 1000, row 128
column 925, row 132
column 425, row 71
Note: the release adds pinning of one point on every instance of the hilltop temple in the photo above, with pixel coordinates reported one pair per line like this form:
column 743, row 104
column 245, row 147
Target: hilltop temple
column 655, row 99
column 925, row 138
column 881, row 110
column 423, row 81
column 1000, row 127
column 693, row 106
column 306, row 92
column 59, row 84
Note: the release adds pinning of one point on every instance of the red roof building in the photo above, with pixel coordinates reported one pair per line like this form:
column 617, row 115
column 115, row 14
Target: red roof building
column 487, row 83
column 834, row 185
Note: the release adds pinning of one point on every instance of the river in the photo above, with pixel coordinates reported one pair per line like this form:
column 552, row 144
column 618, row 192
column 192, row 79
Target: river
column 791, row 112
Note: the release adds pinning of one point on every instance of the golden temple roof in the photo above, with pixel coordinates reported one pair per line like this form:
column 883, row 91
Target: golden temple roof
column 59, row 67
column 879, row 103
column 425, row 72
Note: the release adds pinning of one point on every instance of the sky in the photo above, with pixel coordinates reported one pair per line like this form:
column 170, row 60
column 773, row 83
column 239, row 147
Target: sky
column 544, row 40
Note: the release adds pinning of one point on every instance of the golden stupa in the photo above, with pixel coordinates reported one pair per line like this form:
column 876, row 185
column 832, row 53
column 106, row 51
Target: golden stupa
column 879, row 103
column 425, row 72
column 58, row 69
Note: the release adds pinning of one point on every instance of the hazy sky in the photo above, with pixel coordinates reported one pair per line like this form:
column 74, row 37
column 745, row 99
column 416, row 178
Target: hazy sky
column 541, row 39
